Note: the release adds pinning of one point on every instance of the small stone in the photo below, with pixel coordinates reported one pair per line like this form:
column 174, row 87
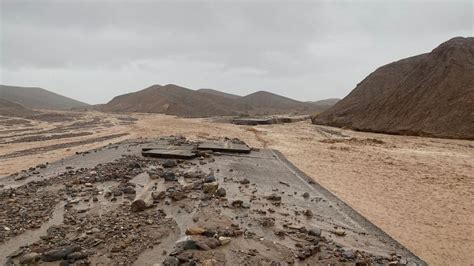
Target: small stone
column 224, row 240
column 315, row 232
column 306, row 195
column 169, row 176
column 30, row 258
column 59, row 253
column 349, row 255
column 77, row 256
column 169, row 163
column 88, row 184
column 237, row 203
column 210, row 188
column 308, row 213
column 340, row 232
column 210, row 179
column 274, row 197
column 195, row 231
column 129, row 190
column 221, row 192
column 244, row 181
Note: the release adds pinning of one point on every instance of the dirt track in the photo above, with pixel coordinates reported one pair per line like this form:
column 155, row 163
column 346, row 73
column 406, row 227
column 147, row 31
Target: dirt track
column 419, row 190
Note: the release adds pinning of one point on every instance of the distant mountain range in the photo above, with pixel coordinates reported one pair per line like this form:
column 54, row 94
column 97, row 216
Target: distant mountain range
column 175, row 100
column 38, row 98
column 429, row 95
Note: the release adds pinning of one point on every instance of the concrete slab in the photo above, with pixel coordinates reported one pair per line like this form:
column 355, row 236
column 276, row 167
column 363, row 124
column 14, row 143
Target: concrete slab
column 170, row 154
column 224, row 146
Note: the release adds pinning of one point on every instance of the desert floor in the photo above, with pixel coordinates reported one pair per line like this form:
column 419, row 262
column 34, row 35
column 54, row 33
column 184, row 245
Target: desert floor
column 419, row 190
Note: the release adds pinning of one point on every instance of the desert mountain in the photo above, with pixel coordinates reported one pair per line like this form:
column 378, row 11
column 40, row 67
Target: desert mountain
column 219, row 93
column 175, row 100
column 11, row 109
column 430, row 95
column 326, row 102
column 37, row 98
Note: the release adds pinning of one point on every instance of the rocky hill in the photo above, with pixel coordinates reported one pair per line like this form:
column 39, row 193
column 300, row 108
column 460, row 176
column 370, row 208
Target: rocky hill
column 11, row 109
column 219, row 93
column 428, row 95
column 175, row 100
column 38, row 98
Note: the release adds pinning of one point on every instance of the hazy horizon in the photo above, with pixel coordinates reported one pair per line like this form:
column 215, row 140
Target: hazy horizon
column 308, row 51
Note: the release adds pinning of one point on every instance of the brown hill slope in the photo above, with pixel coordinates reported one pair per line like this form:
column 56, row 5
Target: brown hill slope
column 326, row 102
column 38, row 98
column 263, row 102
column 219, row 93
column 11, row 109
column 172, row 100
column 430, row 95
column 176, row 100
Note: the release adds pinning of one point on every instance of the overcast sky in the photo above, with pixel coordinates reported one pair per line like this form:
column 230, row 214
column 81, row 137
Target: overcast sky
column 95, row 50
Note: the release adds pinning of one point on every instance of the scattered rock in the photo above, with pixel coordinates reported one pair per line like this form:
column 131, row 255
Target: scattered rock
column 30, row 258
column 221, row 192
column 59, row 253
column 169, row 163
column 340, row 232
column 209, row 179
column 195, row 231
column 210, row 188
column 169, row 176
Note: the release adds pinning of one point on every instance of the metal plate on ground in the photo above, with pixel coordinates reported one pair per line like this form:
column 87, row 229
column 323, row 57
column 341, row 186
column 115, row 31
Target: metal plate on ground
column 224, row 146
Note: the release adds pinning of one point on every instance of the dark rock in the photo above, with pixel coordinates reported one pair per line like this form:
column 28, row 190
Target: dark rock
column 177, row 195
column 210, row 179
column 315, row 232
column 169, row 163
column 169, row 176
column 59, row 253
column 237, row 203
column 129, row 190
column 244, row 181
column 221, row 192
column 349, row 255
column 77, row 256
column 274, row 197
column 306, row 195
column 308, row 213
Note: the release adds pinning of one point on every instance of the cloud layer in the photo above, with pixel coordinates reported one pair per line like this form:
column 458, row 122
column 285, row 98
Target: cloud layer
column 94, row 50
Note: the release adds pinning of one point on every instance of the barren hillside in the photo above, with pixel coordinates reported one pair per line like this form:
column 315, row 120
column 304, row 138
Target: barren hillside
column 430, row 95
column 38, row 98
column 219, row 93
column 172, row 100
column 175, row 100
column 11, row 109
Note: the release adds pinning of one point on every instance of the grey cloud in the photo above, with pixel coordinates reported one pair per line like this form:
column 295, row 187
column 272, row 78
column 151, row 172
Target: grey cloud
column 305, row 50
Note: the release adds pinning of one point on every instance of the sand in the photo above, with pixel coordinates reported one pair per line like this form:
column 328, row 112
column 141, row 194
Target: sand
column 418, row 190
